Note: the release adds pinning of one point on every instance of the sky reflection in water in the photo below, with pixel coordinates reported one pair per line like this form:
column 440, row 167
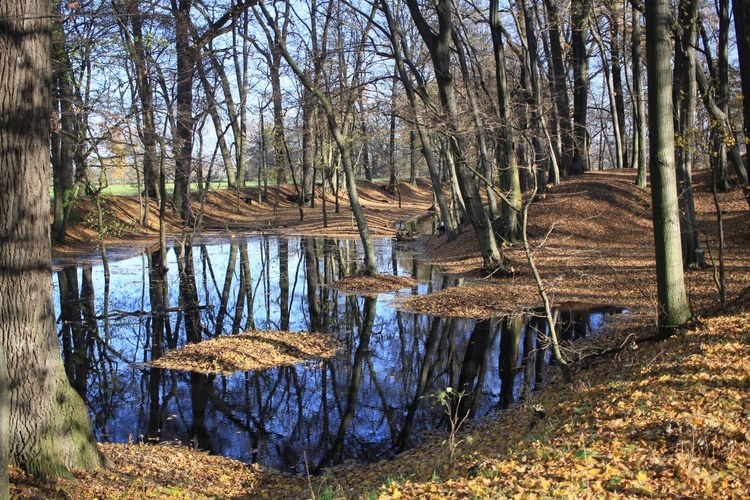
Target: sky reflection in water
column 369, row 402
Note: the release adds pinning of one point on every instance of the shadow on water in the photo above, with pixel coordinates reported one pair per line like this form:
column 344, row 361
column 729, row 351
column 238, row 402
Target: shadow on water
column 369, row 402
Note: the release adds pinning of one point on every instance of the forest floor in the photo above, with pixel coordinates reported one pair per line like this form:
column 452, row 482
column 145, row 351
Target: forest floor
column 641, row 418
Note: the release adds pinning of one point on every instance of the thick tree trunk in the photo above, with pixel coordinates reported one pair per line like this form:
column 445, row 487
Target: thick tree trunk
column 741, row 10
column 49, row 426
column 186, row 59
column 674, row 309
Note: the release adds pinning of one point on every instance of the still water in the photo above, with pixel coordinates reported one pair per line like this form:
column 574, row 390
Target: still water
column 371, row 401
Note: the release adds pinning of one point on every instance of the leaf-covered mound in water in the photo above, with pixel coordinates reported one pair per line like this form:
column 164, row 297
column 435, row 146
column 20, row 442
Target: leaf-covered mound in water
column 377, row 283
column 249, row 351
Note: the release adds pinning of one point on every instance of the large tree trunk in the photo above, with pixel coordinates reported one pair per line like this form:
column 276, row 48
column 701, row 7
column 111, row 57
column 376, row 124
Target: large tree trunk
column 674, row 309
column 49, row 426
column 741, row 10
column 186, row 59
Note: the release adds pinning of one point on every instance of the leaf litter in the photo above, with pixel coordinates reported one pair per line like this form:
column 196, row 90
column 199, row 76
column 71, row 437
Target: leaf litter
column 256, row 350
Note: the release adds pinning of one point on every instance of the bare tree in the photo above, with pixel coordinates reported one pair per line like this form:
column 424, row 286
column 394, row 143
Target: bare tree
column 672, row 298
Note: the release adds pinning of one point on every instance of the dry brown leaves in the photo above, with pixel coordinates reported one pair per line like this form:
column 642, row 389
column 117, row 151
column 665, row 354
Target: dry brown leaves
column 249, row 351
column 377, row 283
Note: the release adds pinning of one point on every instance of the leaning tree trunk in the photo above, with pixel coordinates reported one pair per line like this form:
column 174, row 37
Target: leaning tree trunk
column 674, row 309
column 370, row 263
column 49, row 428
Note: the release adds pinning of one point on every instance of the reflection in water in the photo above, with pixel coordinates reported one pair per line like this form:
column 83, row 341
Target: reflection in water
column 371, row 401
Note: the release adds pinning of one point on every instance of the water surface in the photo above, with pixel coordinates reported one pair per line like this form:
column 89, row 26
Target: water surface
column 372, row 400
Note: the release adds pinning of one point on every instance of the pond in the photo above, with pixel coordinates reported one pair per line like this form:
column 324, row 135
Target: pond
column 372, row 400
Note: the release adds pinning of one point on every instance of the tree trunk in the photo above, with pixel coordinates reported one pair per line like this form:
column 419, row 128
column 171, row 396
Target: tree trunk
column 741, row 9
column 719, row 147
column 639, row 102
column 186, row 59
column 674, row 309
column 616, row 19
column 424, row 136
column 63, row 135
column 439, row 46
column 49, row 426
column 506, row 158
column 559, row 88
column 581, row 13
column 685, row 96
column 370, row 263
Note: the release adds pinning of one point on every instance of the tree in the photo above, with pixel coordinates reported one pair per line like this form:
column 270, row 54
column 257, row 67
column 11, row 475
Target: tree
column 741, row 9
column 685, row 96
column 49, row 428
column 581, row 13
column 639, row 108
column 342, row 143
column 439, row 45
column 428, row 152
column 506, row 159
column 674, row 309
column 559, row 88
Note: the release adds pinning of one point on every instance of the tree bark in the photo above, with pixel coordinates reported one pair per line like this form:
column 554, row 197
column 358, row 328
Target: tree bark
column 186, row 60
column 639, row 102
column 49, row 426
column 672, row 298
column 559, row 88
column 581, row 13
column 685, row 96
column 741, row 9
column 506, row 158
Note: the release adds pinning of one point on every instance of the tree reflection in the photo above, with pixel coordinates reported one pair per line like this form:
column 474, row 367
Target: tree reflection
column 370, row 401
